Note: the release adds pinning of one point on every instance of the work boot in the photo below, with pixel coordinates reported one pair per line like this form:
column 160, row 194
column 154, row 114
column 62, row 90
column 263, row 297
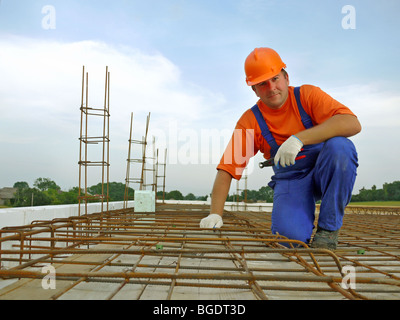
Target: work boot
column 325, row 239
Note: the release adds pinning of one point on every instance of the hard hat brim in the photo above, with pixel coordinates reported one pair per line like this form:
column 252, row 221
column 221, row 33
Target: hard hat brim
column 264, row 77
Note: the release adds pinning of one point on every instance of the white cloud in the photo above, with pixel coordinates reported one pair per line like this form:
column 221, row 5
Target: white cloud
column 47, row 76
column 377, row 108
column 375, row 105
column 40, row 93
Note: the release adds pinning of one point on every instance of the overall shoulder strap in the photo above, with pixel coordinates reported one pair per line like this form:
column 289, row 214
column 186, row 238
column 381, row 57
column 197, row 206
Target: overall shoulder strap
column 265, row 130
column 305, row 118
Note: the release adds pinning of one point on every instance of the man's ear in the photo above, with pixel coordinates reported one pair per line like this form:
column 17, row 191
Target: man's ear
column 286, row 75
column 254, row 89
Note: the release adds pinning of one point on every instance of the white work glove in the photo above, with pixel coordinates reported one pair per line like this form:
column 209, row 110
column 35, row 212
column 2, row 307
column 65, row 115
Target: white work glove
column 288, row 151
column 212, row 221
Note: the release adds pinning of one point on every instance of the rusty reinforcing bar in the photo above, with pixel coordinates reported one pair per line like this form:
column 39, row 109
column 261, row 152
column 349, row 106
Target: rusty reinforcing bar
column 124, row 254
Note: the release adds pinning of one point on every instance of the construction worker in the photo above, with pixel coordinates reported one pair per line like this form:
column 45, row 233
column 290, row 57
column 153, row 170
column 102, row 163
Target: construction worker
column 306, row 133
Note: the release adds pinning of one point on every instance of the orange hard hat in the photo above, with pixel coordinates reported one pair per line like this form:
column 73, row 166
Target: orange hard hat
column 262, row 64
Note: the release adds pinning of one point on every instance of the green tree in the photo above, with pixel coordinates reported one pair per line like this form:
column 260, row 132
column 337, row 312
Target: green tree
column 31, row 197
column 392, row 191
column 190, row 196
column 266, row 193
column 44, row 184
column 21, row 185
column 251, row 196
column 202, row 198
column 40, row 198
column 116, row 190
column 70, row 197
column 161, row 195
column 175, row 195
column 21, row 195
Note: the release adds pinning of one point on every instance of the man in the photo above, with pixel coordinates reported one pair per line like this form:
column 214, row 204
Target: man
column 305, row 131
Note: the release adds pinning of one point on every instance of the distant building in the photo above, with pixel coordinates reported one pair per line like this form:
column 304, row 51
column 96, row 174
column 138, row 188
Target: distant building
column 6, row 194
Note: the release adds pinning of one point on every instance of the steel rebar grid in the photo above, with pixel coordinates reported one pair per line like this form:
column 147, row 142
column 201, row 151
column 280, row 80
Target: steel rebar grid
column 136, row 255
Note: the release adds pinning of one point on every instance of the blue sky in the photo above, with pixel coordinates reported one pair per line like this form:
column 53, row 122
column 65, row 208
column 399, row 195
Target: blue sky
column 183, row 62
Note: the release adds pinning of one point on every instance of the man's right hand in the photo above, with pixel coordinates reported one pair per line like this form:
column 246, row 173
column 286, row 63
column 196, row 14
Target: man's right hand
column 212, row 221
column 288, row 151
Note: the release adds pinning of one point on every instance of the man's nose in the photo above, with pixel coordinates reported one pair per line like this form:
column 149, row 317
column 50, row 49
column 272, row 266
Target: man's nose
column 270, row 86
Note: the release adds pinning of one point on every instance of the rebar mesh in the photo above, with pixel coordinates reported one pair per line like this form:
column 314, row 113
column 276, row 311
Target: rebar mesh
column 165, row 255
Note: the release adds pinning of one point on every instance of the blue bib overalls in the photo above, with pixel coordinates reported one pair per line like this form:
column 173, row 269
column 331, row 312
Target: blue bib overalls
column 327, row 173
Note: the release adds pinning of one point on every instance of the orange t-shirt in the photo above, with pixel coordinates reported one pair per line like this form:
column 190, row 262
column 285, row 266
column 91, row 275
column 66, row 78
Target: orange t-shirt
column 247, row 139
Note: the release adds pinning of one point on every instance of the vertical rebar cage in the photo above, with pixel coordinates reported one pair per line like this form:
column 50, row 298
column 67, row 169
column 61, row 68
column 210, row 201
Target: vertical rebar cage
column 92, row 140
column 141, row 161
column 161, row 174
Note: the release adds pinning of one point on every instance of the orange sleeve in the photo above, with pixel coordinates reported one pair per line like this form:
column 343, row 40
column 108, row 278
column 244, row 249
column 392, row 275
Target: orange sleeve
column 320, row 105
column 240, row 149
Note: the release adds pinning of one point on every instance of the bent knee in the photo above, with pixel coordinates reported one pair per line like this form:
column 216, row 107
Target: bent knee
column 342, row 152
column 340, row 145
column 294, row 233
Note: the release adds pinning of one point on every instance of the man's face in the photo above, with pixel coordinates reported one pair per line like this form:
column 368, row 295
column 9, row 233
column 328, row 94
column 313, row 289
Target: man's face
column 273, row 92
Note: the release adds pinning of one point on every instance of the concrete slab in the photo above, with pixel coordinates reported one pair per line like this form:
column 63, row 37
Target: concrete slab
column 166, row 256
